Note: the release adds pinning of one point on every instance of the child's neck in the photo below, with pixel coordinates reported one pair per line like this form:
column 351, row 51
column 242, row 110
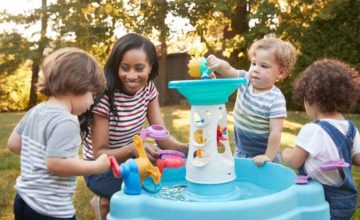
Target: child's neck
column 60, row 102
column 258, row 91
column 330, row 115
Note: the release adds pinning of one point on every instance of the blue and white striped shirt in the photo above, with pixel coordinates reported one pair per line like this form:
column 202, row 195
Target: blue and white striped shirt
column 47, row 132
column 252, row 114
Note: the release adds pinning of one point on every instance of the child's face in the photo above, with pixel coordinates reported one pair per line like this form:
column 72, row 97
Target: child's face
column 134, row 70
column 311, row 110
column 264, row 70
column 81, row 103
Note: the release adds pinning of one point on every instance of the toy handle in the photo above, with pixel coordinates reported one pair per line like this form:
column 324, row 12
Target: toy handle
column 333, row 165
column 115, row 167
column 204, row 69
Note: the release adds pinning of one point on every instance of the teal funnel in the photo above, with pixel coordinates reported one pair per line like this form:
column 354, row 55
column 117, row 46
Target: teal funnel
column 207, row 92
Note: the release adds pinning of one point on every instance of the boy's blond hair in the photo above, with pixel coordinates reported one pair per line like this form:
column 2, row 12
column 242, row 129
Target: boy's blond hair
column 71, row 70
column 284, row 52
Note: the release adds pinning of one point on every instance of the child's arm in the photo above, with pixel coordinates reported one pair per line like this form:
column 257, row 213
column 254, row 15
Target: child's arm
column 276, row 125
column 222, row 67
column 77, row 167
column 14, row 142
column 294, row 157
column 356, row 159
column 100, row 141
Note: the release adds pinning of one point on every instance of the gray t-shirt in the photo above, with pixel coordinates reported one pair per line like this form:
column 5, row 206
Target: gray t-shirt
column 47, row 132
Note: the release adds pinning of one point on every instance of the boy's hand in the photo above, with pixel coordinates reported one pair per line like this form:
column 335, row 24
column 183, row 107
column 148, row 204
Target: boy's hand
column 103, row 163
column 213, row 62
column 221, row 67
column 261, row 159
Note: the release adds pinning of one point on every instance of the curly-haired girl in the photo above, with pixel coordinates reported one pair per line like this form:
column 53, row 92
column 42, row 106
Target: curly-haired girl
column 328, row 88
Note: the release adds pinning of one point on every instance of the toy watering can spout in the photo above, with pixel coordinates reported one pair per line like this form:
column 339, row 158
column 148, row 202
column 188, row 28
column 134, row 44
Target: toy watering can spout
column 198, row 68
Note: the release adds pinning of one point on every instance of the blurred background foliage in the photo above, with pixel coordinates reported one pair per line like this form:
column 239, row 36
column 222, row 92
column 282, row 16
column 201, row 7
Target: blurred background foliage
column 226, row 28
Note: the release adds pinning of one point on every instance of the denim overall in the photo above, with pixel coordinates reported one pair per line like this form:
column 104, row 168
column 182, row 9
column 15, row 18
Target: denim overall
column 342, row 199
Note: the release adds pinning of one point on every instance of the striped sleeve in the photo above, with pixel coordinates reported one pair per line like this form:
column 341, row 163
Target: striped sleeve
column 20, row 126
column 242, row 74
column 102, row 108
column 64, row 140
column 153, row 91
column 278, row 107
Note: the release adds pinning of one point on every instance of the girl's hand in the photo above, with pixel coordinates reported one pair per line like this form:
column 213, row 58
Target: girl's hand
column 261, row 159
column 103, row 163
column 152, row 152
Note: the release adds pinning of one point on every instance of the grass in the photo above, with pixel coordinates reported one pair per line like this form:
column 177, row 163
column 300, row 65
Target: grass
column 177, row 122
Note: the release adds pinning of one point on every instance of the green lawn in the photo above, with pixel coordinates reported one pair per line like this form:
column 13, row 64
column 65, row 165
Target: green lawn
column 177, row 121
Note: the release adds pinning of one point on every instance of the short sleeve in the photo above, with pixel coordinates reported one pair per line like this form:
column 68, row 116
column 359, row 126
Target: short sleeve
column 152, row 91
column 64, row 140
column 356, row 146
column 278, row 107
column 243, row 74
column 102, row 108
column 310, row 139
column 19, row 128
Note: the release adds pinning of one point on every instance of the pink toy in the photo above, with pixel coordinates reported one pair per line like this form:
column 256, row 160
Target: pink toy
column 331, row 165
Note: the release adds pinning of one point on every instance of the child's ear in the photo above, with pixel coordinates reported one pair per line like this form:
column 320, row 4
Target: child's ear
column 282, row 74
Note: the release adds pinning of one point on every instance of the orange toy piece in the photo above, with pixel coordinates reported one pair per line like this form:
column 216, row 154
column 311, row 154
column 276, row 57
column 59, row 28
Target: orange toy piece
column 144, row 165
column 198, row 68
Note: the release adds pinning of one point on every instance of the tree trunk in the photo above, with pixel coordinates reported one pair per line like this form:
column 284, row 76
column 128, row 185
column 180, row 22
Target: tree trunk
column 39, row 55
column 34, row 78
column 239, row 25
column 163, row 72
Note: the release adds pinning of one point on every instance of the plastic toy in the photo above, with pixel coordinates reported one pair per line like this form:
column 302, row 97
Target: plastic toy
column 214, row 185
column 156, row 132
column 331, row 165
column 198, row 68
column 221, row 134
column 135, row 172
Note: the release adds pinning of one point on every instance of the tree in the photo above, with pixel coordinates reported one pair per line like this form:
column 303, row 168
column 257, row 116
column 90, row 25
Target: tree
column 17, row 52
column 78, row 23
column 318, row 29
column 87, row 24
column 37, row 55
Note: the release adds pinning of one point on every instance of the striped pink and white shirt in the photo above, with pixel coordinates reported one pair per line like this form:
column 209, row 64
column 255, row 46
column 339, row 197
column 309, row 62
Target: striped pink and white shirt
column 131, row 114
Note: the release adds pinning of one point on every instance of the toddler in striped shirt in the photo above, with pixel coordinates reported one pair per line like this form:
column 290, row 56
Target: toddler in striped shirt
column 260, row 107
column 48, row 137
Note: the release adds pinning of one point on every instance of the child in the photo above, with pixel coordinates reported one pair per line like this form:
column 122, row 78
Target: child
column 120, row 114
column 328, row 88
column 48, row 137
column 260, row 107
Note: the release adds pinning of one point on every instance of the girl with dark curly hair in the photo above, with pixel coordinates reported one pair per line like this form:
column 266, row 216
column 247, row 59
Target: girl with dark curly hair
column 328, row 88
